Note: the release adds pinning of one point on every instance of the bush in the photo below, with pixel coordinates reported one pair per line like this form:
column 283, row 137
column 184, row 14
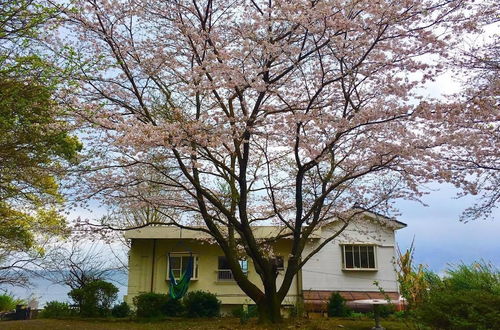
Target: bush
column 121, row 310
column 201, row 304
column 173, row 307
column 448, row 309
column 386, row 310
column 56, row 309
column 401, row 315
column 337, row 307
column 95, row 298
column 152, row 305
column 8, row 302
column 239, row 311
column 245, row 315
column 467, row 298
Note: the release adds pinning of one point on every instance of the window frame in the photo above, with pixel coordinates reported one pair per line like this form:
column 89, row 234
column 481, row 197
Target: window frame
column 180, row 255
column 231, row 279
column 358, row 245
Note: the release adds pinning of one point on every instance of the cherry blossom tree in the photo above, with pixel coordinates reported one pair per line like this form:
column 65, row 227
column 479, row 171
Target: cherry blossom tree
column 223, row 115
column 473, row 127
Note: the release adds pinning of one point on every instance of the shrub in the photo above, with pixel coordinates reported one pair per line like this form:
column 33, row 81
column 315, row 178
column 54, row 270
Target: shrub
column 201, row 304
column 173, row 307
column 297, row 310
column 95, row 298
column 401, row 314
column 386, row 310
column 56, row 309
column 245, row 315
column 467, row 298
column 448, row 309
column 337, row 307
column 8, row 302
column 151, row 305
column 121, row 310
column 239, row 311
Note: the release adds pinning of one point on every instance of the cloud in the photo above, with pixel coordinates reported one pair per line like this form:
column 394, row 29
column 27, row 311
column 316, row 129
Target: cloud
column 440, row 238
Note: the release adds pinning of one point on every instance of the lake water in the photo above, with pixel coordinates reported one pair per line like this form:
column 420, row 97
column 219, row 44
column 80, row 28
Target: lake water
column 44, row 290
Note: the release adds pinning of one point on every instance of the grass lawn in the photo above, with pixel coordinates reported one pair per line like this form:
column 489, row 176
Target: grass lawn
column 180, row 324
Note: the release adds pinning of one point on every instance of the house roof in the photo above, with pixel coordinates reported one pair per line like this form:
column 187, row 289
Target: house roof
column 174, row 232
column 399, row 224
column 260, row 232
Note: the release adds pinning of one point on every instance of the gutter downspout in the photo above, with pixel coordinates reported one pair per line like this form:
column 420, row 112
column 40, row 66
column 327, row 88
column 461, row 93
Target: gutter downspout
column 300, row 297
column 153, row 266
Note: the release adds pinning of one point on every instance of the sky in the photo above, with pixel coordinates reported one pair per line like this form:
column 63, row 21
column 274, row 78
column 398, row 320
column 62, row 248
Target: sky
column 441, row 240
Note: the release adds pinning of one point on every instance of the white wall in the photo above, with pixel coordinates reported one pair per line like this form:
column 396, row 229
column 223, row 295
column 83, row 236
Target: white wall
column 324, row 270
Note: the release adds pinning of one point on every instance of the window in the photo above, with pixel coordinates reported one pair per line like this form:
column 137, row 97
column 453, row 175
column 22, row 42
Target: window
column 358, row 256
column 224, row 273
column 280, row 262
column 178, row 262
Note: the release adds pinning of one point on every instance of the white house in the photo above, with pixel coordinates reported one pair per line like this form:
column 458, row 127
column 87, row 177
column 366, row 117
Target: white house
column 350, row 264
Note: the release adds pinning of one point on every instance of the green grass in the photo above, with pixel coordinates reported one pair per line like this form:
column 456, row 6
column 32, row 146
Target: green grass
column 196, row 324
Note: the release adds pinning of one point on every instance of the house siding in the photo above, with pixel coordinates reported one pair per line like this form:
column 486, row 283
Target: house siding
column 141, row 265
column 323, row 272
column 320, row 276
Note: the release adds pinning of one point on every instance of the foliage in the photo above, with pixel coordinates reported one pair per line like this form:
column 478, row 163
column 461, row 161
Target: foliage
column 201, row 304
column 20, row 18
column 244, row 315
column 297, row 310
column 401, row 314
column 386, row 310
column 470, row 309
column 8, row 302
column 357, row 315
column 467, row 298
column 337, row 306
column 479, row 276
column 34, row 137
column 173, row 307
column 121, row 310
column 414, row 281
column 95, row 298
column 153, row 305
column 35, row 143
column 56, row 309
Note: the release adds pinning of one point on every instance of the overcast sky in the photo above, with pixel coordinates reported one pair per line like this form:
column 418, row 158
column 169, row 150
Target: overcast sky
column 440, row 238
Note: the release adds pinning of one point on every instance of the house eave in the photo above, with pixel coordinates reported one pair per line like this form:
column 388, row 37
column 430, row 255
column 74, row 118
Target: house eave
column 174, row 232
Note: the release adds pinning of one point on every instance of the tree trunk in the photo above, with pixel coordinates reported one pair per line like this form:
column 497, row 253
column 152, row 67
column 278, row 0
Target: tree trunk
column 270, row 309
